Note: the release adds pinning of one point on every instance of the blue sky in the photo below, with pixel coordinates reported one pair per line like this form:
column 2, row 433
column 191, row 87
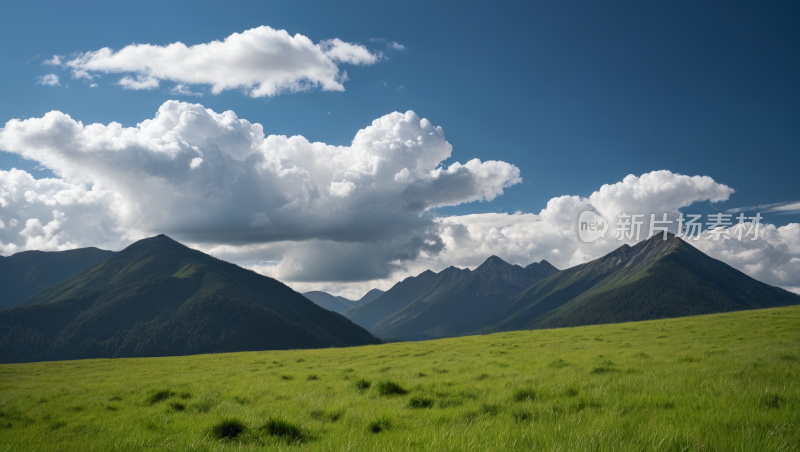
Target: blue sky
column 574, row 94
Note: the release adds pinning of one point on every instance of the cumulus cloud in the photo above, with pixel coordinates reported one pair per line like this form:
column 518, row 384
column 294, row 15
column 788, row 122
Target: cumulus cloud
column 262, row 61
column 53, row 215
column 48, row 80
column 395, row 46
column 210, row 177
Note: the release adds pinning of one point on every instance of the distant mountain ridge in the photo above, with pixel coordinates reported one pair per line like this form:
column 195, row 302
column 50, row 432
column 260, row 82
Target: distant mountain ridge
column 431, row 304
column 654, row 279
column 158, row 297
column 25, row 274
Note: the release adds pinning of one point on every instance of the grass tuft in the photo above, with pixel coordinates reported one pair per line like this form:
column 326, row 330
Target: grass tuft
column 525, row 395
column 558, row 364
column 420, row 402
column 283, row 430
column 362, row 384
column 379, row 425
column 160, row 396
column 322, row 415
column 228, row 429
column 523, row 416
column 387, row 387
column 604, row 370
column 491, row 409
column 773, row 401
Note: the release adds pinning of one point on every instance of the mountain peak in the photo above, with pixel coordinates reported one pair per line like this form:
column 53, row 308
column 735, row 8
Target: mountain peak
column 492, row 262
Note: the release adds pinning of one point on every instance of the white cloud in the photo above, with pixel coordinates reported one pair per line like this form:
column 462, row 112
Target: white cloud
column 790, row 207
column 48, row 80
column 262, row 61
column 345, row 52
column 138, row 83
column 395, row 46
column 212, row 177
column 93, row 85
column 56, row 215
column 184, row 90
column 55, row 61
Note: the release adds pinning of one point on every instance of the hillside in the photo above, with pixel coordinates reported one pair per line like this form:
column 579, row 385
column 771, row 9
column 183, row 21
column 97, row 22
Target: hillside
column 157, row 298
column 25, row 274
column 651, row 280
column 722, row 382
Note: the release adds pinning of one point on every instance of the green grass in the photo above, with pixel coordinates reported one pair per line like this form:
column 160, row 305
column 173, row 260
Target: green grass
column 726, row 382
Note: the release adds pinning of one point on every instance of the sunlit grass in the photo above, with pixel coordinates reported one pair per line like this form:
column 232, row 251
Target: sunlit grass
column 726, row 382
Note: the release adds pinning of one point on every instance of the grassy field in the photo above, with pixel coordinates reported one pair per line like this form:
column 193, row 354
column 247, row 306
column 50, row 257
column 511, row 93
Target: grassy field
column 727, row 382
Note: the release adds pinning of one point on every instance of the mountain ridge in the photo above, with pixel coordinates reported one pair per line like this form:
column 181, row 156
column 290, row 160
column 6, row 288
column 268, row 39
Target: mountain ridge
column 488, row 288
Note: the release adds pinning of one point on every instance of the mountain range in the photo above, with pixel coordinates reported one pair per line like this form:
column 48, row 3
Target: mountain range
column 434, row 304
column 654, row 279
column 158, row 297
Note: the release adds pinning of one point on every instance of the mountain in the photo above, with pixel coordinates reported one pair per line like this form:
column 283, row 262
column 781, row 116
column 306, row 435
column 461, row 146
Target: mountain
column 433, row 304
column 158, row 297
column 25, row 274
column 652, row 280
column 327, row 301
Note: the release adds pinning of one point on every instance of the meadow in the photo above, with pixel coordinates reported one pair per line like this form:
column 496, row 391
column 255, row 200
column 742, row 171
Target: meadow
column 724, row 382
